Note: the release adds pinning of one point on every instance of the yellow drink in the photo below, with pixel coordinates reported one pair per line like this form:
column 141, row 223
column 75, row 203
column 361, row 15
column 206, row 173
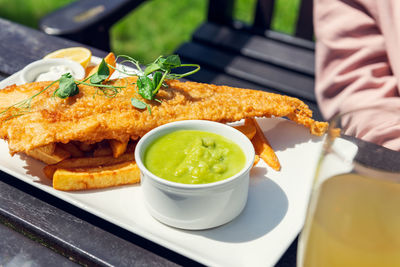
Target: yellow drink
column 356, row 222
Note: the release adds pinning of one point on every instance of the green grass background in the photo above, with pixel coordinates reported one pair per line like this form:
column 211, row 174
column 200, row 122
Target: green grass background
column 155, row 28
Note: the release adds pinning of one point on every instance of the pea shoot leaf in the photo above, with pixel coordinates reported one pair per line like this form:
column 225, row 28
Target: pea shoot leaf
column 173, row 61
column 66, row 86
column 168, row 63
column 145, row 87
column 102, row 73
column 157, row 79
column 152, row 78
column 148, row 82
column 151, row 68
column 140, row 104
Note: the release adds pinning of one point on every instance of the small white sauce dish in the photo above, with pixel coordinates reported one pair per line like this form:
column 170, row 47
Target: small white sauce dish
column 33, row 70
column 195, row 206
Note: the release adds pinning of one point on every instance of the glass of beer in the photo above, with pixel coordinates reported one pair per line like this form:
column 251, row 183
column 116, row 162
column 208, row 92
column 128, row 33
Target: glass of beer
column 353, row 217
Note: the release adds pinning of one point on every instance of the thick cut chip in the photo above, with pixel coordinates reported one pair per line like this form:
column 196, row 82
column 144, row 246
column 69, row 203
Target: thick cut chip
column 86, row 163
column 248, row 129
column 48, row 149
column 72, row 149
column 102, row 151
column 85, row 146
column 44, row 154
column 96, row 177
column 263, row 147
column 118, row 147
column 256, row 160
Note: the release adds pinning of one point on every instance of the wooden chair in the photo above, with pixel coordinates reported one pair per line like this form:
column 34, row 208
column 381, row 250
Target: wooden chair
column 230, row 52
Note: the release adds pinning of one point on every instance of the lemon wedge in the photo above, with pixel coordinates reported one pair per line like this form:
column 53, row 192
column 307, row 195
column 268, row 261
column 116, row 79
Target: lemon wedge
column 79, row 54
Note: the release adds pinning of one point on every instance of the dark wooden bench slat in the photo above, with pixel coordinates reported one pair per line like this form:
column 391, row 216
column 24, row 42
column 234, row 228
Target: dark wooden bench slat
column 257, row 47
column 88, row 21
column 207, row 75
column 210, row 76
column 18, row 249
column 263, row 14
column 220, row 11
column 270, row 76
column 85, row 13
column 31, row 45
column 304, row 28
column 291, row 40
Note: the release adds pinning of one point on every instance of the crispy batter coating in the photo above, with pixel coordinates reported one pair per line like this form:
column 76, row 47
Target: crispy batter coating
column 90, row 117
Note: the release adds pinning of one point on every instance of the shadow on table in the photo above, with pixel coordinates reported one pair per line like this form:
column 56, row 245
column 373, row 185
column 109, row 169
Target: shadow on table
column 266, row 206
column 34, row 168
column 283, row 134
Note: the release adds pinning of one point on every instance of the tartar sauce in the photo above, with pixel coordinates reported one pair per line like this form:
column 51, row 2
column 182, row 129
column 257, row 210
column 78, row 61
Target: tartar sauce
column 54, row 73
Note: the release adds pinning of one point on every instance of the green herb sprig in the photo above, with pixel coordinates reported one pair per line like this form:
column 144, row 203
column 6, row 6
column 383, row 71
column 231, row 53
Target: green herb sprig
column 68, row 86
column 102, row 73
column 24, row 106
column 151, row 79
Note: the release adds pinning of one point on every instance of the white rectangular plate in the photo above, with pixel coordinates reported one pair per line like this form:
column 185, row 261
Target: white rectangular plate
column 271, row 220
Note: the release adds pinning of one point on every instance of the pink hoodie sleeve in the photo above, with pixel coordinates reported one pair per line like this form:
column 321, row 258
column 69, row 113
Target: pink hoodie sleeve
column 353, row 70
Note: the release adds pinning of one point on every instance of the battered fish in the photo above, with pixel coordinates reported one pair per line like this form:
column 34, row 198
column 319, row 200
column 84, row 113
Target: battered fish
column 91, row 117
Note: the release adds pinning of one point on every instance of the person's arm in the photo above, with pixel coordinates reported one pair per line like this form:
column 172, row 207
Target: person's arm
column 353, row 70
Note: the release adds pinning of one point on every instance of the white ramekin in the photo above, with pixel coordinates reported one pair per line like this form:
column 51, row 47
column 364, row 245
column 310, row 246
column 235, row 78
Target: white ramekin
column 199, row 206
column 34, row 69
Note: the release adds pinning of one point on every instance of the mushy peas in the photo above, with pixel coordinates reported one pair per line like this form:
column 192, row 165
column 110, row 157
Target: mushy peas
column 194, row 157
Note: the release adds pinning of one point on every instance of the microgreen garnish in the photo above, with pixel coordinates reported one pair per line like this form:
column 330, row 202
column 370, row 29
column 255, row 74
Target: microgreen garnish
column 102, row 73
column 140, row 104
column 145, row 87
column 24, row 106
column 148, row 83
column 66, row 87
column 152, row 78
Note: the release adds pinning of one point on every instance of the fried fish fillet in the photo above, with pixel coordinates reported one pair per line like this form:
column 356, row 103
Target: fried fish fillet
column 91, row 117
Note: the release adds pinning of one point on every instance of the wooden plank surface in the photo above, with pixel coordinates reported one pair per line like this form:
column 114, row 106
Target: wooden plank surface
column 264, row 14
column 211, row 76
column 21, row 45
column 220, row 11
column 74, row 233
column 267, row 75
column 274, row 62
column 304, row 27
column 18, row 250
column 260, row 48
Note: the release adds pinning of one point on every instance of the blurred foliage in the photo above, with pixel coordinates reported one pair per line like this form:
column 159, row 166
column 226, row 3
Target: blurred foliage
column 29, row 12
column 155, row 28
column 285, row 16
